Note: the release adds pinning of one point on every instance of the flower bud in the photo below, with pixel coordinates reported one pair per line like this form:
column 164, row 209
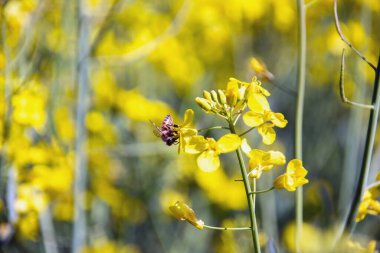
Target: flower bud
column 232, row 92
column 214, row 96
column 203, row 103
column 222, row 97
column 181, row 211
column 207, row 95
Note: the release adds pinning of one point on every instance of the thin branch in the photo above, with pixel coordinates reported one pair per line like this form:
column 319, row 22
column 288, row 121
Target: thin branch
column 349, row 220
column 210, row 128
column 262, row 191
column 244, row 133
column 341, row 88
column 339, row 30
column 226, row 228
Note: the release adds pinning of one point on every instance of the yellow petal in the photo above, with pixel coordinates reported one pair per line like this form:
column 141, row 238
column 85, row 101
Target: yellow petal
column 279, row 182
column 228, row 143
column 188, row 118
column 181, row 211
column 208, row 161
column 195, row 144
column 279, row 120
column 276, row 158
column 300, row 181
column 256, row 156
column 253, row 119
column 245, row 146
column 232, row 92
column 258, row 103
column 295, row 167
column 184, row 135
column 255, row 173
column 268, row 133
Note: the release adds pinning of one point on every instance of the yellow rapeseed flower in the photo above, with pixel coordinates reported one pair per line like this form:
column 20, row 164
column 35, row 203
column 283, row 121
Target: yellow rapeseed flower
column 293, row 177
column 261, row 69
column 183, row 212
column 263, row 118
column 209, row 149
column 172, row 133
column 29, row 109
column 260, row 160
column 369, row 205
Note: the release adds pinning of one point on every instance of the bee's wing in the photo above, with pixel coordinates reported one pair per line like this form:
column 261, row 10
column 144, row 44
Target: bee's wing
column 156, row 130
column 168, row 120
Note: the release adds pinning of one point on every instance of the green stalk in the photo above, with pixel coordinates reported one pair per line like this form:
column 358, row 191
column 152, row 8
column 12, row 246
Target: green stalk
column 250, row 197
column 211, row 128
column 81, row 158
column 226, row 228
column 368, row 150
column 299, row 113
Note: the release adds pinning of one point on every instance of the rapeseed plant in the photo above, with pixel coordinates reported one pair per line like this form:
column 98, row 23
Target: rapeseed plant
column 229, row 104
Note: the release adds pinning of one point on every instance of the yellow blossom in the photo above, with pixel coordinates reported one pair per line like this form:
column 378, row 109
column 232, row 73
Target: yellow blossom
column 369, row 205
column 260, row 160
column 29, row 109
column 293, row 177
column 186, row 130
column 263, row 118
column 209, row 149
column 261, row 69
column 183, row 212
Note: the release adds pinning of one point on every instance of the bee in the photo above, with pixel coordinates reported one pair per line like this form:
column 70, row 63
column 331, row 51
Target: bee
column 167, row 131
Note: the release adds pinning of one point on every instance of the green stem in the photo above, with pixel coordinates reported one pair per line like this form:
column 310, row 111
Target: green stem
column 349, row 222
column 262, row 191
column 81, row 156
column 214, row 127
column 249, row 130
column 299, row 113
column 225, row 228
column 250, row 198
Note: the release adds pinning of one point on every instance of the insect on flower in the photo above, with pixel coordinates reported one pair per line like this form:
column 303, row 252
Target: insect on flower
column 167, row 131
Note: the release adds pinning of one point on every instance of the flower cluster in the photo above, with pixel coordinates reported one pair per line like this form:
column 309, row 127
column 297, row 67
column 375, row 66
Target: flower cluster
column 370, row 203
column 229, row 104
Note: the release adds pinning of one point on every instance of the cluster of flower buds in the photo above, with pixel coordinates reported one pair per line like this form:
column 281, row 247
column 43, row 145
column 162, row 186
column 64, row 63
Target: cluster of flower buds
column 212, row 102
column 230, row 102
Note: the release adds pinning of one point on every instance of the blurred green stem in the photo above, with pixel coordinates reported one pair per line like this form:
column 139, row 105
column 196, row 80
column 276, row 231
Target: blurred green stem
column 299, row 113
column 368, row 150
column 250, row 197
column 79, row 227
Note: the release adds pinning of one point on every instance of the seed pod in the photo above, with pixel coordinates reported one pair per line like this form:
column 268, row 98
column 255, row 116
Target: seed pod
column 207, row 95
column 203, row 103
column 222, row 97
